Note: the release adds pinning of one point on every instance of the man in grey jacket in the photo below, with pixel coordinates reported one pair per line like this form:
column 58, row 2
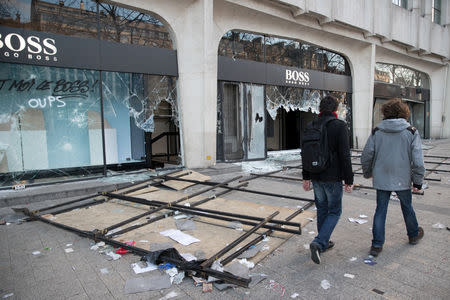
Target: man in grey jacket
column 393, row 157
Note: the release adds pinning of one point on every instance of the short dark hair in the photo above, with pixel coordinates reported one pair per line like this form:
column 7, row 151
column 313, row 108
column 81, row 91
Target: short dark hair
column 395, row 108
column 329, row 103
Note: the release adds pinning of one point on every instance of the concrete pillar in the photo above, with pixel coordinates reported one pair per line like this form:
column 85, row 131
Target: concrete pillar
column 446, row 104
column 363, row 69
column 438, row 89
column 197, row 84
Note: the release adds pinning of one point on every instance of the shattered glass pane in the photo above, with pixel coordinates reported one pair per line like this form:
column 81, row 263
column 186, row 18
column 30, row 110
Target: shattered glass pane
column 48, row 118
column 130, row 104
column 255, row 121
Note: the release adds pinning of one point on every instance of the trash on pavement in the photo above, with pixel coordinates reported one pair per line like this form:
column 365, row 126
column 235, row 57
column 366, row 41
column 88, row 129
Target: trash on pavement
column 104, row 271
column 172, row 294
column 68, row 250
column 180, row 237
column 198, row 281
column 325, row 284
column 438, row 226
column 359, row 221
column 143, row 266
column 275, row 286
column 113, row 255
column 294, row 295
column 172, row 271
column 246, row 263
column 188, row 256
column 351, row 276
column 252, row 251
column 353, row 258
column 306, row 246
column 362, row 216
column 237, row 269
column 256, row 278
column 369, row 261
column 122, row 250
column 7, row 295
column 378, row 291
column 207, row 287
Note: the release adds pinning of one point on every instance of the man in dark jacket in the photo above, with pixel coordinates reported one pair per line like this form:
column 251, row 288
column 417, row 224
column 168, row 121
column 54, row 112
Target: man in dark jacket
column 328, row 184
column 393, row 156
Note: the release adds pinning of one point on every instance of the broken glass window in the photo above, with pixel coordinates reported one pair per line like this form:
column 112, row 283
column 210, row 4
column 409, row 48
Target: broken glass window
column 48, row 117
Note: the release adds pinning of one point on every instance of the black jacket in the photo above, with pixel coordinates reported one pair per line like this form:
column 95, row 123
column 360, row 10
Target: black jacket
column 340, row 167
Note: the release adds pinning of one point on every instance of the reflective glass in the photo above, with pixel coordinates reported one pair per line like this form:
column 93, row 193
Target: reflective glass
column 282, row 51
column 248, row 46
column 49, row 118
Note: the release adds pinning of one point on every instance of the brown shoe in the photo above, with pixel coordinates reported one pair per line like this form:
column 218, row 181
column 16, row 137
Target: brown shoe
column 374, row 251
column 415, row 240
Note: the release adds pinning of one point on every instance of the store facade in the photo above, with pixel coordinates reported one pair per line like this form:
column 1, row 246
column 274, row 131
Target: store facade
column 83, row 88
column 269, row 88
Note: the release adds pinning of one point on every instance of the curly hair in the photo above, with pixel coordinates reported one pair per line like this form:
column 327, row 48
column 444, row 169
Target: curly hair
column 329, row 103
column 395, row 109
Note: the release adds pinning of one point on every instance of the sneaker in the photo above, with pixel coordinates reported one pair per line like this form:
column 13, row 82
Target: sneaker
column 330, row 245
column 374, row 251
column 315, row 252
column 415, row 240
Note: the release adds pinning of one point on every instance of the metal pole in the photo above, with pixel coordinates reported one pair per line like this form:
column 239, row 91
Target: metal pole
column 219, row 254
column 230, row 278
column 166, row 205
column 243, row 190
column 262, row 236
column 192, row 211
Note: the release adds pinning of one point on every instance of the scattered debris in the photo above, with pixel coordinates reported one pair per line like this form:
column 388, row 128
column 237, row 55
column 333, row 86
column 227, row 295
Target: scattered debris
column 177, row 279
column 369, row 261
column 256, row 278
column 353, row 258
column 188, row 256
column 113, row 255
column 198, row 281
column 325, row 284
column 144, row 241
column 184, row 225
column 104, row 271
column 253, row 250
column 122, row 250
column 306, row 246
column 362, row 216
column 394, row 197
column 311, row 219
column 68, row 250
column 180, row 237
column 177, row 217
column 200, row 254
column 207, row 287
column 143, row 266
column 7, row 295
column 294, row 295
column 172, row 294
column 238, row 269
column 172, row 271
column 36, row 252
column 378, row 291
column 359, row 221
column 68, row 245
column 275, row 286
column 246, row 263
column 156, row 281
column 438, row 226
column 351, row 276
column 311, row 232
column 235, row 225
column 222, row 286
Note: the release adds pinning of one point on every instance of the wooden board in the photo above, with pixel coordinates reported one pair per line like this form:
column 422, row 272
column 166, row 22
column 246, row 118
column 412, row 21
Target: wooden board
column 180, row 185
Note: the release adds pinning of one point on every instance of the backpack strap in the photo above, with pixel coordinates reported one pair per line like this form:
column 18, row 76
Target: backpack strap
column 412, row 129
column 375, row 130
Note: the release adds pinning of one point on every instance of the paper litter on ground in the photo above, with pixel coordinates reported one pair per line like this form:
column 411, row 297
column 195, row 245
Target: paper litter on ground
column 359, row 221
column 294, row 295
column 188, row 256
column 438, row 226
column 349, row 275
column 113, row 255
column 353, row 258
column 36, row 252
column 104, row 271
column 147, row 267
column 325, row 284
column 180, row 237
column 68, row 250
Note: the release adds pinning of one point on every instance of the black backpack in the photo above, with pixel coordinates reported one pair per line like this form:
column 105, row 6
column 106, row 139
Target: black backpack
column 315, row 152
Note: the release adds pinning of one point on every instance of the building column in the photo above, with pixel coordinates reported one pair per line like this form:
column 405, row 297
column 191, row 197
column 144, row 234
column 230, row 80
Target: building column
column 197, row 84
column 363, row 69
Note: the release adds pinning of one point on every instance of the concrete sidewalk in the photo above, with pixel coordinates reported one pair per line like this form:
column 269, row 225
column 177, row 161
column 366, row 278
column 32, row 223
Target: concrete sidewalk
column 402, row 271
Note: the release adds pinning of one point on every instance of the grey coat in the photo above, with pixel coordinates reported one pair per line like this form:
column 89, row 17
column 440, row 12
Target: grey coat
column 393, row 156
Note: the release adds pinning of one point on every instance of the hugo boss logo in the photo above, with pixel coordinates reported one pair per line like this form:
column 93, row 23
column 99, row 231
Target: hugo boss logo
column 297, row 77
column 31, row 47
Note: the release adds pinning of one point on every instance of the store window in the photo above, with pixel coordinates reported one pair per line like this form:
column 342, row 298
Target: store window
column 65, row 114
column 49, row 118
column 436, row 11
column 401, row 3
column 412, row 86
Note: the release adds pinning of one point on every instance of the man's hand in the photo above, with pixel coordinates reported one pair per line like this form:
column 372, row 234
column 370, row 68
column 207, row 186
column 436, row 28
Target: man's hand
column 307, row 185
column 416, row 190
column 348, row 188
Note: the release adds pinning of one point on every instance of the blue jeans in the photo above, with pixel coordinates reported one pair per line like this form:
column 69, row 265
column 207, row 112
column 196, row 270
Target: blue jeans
column 328, row 200
column 379, row 219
